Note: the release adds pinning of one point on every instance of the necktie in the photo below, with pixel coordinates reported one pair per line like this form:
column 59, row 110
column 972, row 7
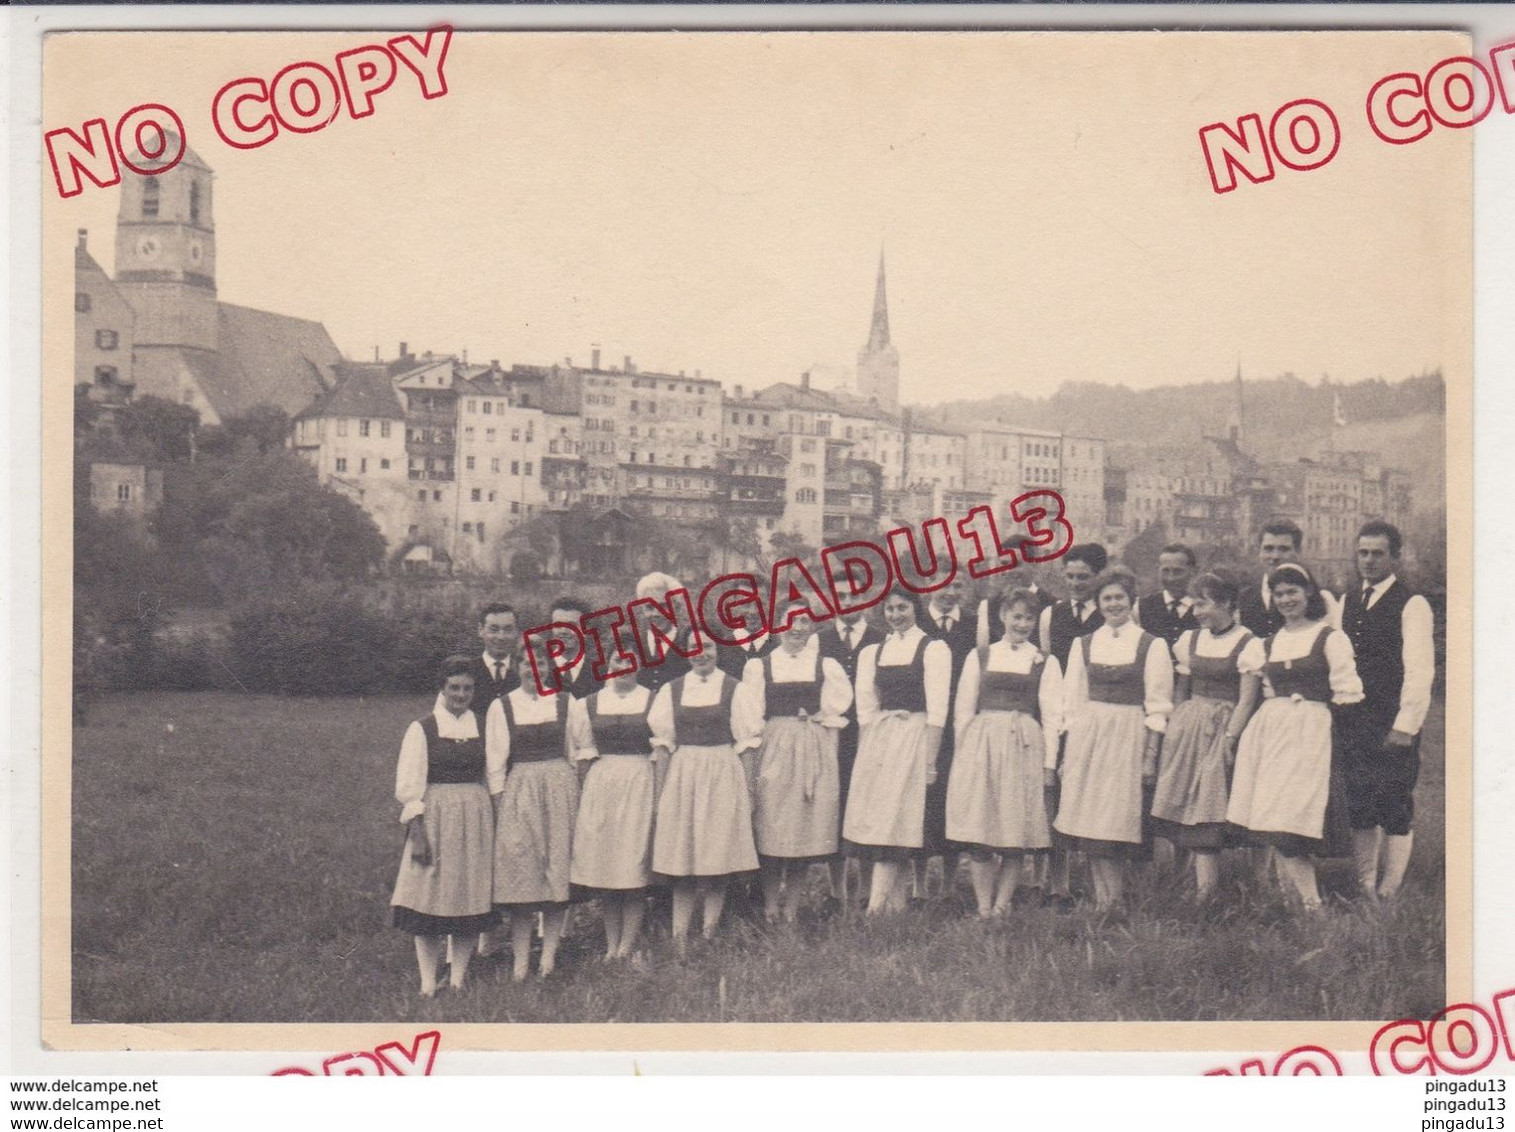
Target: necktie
column 1173, row 607
column 499, row 672
column 947, row 623
column 1367, row 595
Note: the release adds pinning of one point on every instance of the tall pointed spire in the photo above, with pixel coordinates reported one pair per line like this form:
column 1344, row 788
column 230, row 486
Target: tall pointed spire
column 1237, row 429
column 878, row 332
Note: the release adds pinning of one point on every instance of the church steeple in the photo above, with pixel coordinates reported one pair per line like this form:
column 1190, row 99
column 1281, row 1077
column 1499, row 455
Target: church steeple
column 1236, row 425
column 878, row 362
column 878, row 332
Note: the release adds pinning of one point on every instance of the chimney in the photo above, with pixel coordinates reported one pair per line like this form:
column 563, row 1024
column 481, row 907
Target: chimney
column 568, row 362
column 494, row 364
column 697, row 375
column 738, row 392
column 628, row 364
column 83, row 239
column 376, row 353
column 805, row 380
column 594, row 358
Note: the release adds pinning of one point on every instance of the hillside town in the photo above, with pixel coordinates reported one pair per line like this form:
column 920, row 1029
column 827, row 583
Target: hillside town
column 465, row 465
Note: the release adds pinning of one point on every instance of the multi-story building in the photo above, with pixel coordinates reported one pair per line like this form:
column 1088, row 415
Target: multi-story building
column 754, row 486
column 934, row 455
column 125, row 488
column 104, row 332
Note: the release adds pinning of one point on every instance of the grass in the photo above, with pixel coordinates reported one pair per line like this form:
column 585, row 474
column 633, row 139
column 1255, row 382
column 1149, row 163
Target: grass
column 234, row 855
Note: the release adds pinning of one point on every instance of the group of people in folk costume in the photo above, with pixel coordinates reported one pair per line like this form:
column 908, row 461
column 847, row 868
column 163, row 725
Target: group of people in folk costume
column 1209, row 713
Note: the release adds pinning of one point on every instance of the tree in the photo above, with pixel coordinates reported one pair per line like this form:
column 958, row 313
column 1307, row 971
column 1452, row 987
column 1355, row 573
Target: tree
column 735, row 537
column 790, row 544
column 167, row 430
column 262, row 428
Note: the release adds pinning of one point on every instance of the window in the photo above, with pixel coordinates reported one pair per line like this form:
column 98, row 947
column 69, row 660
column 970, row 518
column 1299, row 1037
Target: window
column 81, row 302
column 473, row 406
column 363, row 464
column 688, row 462
column 499, row 406
column 494, row 465
column 105, row 375
column 489, row 435
column 468, row 463
column 805, row 495
column 475, row 496
column 384, row 464
column 515, row 467
column 436, row 497
column 491, row 497
column 106, row 339
column 480, row 528
column 384, row 429
column 515, row 435
column 765, row 420
column 421, row 496
column 468, row 432
column 124, row 492
column 488, row 405
column 194, row 203
column 633, row 459
column 341, row 426
column 515, row 508
column 341, row 463
column 150, row 198
column 413, row 530
column 468, row 528
column 807, row 446
column 750, row 417
column 528, row 467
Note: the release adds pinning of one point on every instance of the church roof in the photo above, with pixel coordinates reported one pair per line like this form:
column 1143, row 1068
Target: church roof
column 191, row 159
column 365, row 391
column 263, row 358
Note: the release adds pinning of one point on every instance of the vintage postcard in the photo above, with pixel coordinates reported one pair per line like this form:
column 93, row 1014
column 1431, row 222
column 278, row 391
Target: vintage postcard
column 759, row 540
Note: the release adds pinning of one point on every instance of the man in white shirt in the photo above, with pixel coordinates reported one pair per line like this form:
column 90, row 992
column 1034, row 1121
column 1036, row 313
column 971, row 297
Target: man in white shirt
column 1278, row 542
column 1390, row 627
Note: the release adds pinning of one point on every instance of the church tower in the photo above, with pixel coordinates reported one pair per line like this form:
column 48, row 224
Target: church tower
column 1236, row 421
column 166, row 254
column 878, row 363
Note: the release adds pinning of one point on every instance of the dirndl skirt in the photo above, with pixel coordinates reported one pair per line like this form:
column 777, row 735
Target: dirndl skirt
column 612, row 835
column 796, row 814
column 1100, row 807
column 886, row 804
column 452, row 894
column 533, row 841
column 995, row 797
column 704, row 816
column 1283, row 776
column 1189, row 803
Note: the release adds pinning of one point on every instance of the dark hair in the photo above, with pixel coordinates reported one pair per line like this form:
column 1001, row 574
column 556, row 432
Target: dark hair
column 1116, row 575
column 1216, row 587
column 1294, row 574
column 1377, row 528
column 1283, row 527
column 496, row 607
column 909, row 595
column 570, row 601
column 455, row 665
column 1180, row 548
column 1018, row 596
column 1091, row 554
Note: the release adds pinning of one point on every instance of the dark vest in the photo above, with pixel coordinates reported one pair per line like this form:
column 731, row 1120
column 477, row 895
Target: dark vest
column 1216, row 677
column 1011, row 691
column 834, row 647
column 790, row 697
column 707, row 726
column 453, row 760
column 537, row 742
column 1377, row 637
column 902, row 687
column 486, row 689
column 1064, row 628
column 1262, row 620
column 620, row 734
column 1156, row 619
column 1308, row 677
column 1119, row 683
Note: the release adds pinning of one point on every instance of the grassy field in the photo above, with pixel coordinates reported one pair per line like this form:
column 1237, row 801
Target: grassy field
column 233, row 859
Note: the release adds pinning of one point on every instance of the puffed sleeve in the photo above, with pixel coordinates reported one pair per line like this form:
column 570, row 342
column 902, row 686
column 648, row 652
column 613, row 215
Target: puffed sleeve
column 1346, row 685
column 1183, row 648
column 580, row 732
column 1157, row 700
column 1075, row 683
column 966, row 704
column 836, row 694
column 1419, row 656
column 747, row 711
column 1044, row 630
column 756, row 686
column 660, row 719
column 410, row 775
column 1049, row 697
column 937, row 663
column 1253, row 658
column 867, row 690
column 496, row 746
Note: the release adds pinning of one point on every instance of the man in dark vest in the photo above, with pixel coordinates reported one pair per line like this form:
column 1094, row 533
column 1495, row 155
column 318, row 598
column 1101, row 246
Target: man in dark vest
column 494, row 671
column 1278, row 542
column 1168, row 613
column 1062, row 623
column 843, row 639
column 1390, row 629
column 579, row 680
column 653, row 676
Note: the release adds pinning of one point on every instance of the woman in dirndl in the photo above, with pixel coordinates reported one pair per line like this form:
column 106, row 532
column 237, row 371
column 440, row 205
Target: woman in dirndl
column 1214, row 700
column 799, row 700
column 534, row 813
column 903, row 688
column 1116, row 701
column 703, row 832
column 1283, row 762
column 1008, row 718
column 612, row 835
column 443, row 888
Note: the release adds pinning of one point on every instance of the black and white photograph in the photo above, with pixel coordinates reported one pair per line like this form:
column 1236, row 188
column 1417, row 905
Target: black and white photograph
column 587, row 529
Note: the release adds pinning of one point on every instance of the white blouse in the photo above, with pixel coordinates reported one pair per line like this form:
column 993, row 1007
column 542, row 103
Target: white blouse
column 1005, row 657
column 897, row 649
column 799, row 668
column 524, row 708
column 410, row 774
column 1112, row 646
column 1292, row 644
column 1209, row 645
column 611, row 702
column 701, row 692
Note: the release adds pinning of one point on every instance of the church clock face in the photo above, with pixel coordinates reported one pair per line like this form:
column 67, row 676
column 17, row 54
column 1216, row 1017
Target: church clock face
column 147, row 247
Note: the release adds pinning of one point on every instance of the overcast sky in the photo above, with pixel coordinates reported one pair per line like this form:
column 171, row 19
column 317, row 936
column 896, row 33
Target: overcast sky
column 719, row 202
